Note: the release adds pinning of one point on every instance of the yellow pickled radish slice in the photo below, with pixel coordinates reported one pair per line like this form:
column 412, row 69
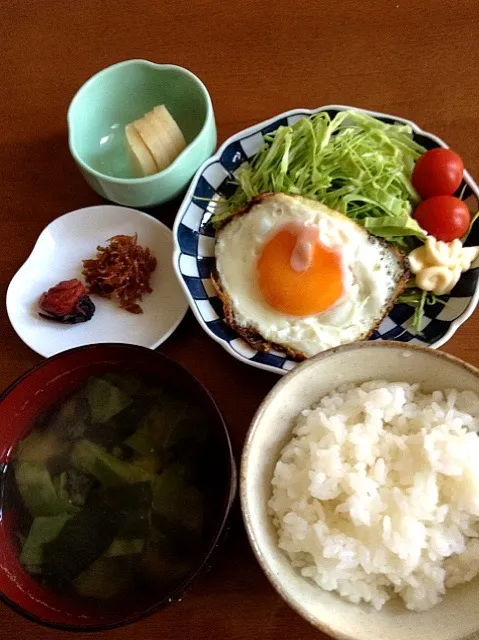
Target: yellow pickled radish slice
column 155, row 139
column 156, row 134
column 141, row 161
column 176, row 137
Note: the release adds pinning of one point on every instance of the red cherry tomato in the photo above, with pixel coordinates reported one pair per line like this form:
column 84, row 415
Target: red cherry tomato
column 437, row 173
column 444, row 217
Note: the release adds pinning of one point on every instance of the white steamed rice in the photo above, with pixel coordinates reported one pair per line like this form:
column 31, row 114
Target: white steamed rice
column 377, row 493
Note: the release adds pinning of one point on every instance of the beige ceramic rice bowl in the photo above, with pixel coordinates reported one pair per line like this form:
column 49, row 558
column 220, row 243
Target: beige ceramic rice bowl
column 456, row 617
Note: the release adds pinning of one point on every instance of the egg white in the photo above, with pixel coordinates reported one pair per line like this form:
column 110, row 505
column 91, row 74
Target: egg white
column 371, row 273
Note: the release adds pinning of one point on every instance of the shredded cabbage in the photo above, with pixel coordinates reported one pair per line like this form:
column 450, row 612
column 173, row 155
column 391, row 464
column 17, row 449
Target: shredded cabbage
column 353, row 163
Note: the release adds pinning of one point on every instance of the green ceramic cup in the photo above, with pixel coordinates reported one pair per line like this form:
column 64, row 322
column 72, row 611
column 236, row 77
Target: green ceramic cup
column 120, row 94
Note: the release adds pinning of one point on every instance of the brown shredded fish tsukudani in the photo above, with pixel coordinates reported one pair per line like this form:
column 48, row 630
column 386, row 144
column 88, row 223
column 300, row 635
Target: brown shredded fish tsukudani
column 121, row 270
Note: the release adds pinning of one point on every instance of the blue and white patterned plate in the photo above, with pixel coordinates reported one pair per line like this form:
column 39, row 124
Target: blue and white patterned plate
column 194, row 250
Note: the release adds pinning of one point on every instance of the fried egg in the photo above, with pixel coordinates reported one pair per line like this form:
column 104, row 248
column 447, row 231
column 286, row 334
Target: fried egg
column 294, row 274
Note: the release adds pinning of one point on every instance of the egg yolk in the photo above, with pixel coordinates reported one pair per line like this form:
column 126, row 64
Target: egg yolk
column 299, row 275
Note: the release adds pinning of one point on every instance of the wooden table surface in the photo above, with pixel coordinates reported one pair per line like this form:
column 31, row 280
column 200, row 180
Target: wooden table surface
column 413, row 58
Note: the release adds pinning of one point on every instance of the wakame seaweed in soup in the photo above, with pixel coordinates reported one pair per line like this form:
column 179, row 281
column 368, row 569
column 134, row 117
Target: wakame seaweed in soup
column 118, row 488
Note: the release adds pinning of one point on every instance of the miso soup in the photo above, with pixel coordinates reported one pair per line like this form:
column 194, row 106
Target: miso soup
column 118, row 487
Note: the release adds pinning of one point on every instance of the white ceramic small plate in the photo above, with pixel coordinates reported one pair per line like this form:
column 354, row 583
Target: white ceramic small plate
column 58, row 255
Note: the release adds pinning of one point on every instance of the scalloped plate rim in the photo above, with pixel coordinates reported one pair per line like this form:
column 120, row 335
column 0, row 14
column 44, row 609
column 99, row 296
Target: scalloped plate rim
column 37, row 248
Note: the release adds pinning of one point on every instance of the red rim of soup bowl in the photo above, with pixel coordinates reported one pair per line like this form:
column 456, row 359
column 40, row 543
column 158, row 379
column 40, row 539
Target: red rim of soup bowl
column 38, row 390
